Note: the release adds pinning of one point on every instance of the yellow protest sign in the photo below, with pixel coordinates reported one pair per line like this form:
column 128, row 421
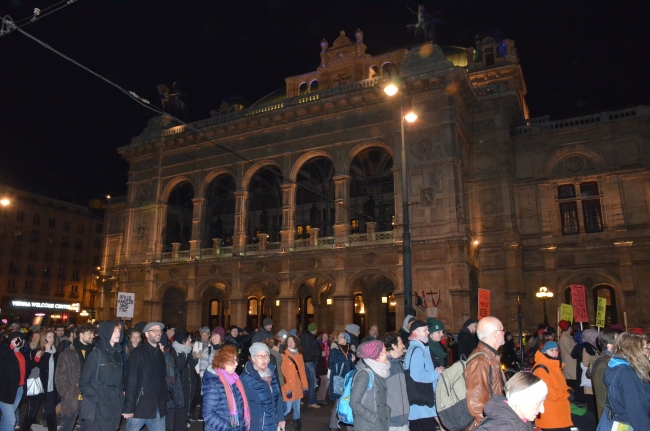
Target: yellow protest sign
column 600, row 312
column 566, row 312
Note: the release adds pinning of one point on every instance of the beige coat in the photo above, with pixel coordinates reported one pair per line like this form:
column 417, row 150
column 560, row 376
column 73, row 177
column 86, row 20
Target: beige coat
column 567, row 343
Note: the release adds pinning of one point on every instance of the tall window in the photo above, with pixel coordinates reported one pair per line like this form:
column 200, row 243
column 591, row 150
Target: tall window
column 570, row 205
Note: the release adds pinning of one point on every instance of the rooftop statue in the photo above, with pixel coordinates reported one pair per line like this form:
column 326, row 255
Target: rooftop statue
column 425, row 29
column 171, row 102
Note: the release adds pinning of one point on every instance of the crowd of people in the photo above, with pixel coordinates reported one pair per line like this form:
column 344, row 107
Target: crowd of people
column 95, row 377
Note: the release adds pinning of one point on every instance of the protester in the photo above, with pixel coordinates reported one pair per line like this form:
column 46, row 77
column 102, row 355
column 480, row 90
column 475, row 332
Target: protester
column 264, row 332
column 480, row 387
column 418, row 363
column 12, row 379
column 101, row 382
column 436, row 349
column 606, row 340
column 181, row 353
column 340, row 362
column 68, row 373
column 295, row 379
column 373, row 333
column 60, row 337
column 222, row 387
column 405, row 331
column 215, row 343
column 353, row 330
column 275, row 358
column 262, row 391
column 509, row 357
column 397, row 398
column 467, row 340
column 311, row 354
column 627, row 378
column 566, row 344
column 371, row 413
column 135, row 339
column 524, row 400
column 590, row 352
column 145, row 374
column 558, row 409
column 44, row 360
column 321, row 368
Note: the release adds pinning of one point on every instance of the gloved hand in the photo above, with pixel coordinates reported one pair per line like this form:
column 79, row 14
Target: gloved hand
column 304, row 392
column 572, row 395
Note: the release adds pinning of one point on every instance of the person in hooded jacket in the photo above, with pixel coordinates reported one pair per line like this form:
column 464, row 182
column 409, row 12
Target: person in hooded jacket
column 548, row 367
column 524, row 400
column 467, row 340
column 101, row 381
column 627, row 378
column 405, row 330
column 181, row 353
column 589, row 354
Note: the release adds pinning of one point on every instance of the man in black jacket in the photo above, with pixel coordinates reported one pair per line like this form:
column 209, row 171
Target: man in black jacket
column 467, row 339
column 12, row 378
column 311, row 354
column 145, row 386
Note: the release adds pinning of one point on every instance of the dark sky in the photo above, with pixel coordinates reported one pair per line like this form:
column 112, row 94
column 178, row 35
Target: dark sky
column 60, row 126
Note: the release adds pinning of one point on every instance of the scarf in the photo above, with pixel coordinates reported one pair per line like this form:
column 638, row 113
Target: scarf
column 266, row 375
column 50, row 371
column 82, row 350
column 294, row 351
column 379, row 368
column 437, row 350
column 227, row 380
column 181, row 348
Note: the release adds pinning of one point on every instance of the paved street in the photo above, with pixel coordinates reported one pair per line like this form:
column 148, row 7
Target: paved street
column 312, row 420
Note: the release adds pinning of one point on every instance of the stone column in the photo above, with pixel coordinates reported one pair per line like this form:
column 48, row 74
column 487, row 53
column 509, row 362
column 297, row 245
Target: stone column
column 216, row 245
column 372, row 305
column 288, row 310
column 194, row 316
column 262, row 239
column 159, row 228
column 629, row 303
column 342, row 201
column 176, row 246
column 343, row 311
column 197, row 219
column 288, row 232
column 239, row 236
column 195, row 250
column 313, row 236
column 371, row 228
column 238, row 312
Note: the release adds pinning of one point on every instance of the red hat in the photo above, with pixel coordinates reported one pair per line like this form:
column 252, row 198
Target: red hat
column 563, row 324
column 218, row 330
column 370, row 349
column 637, row 331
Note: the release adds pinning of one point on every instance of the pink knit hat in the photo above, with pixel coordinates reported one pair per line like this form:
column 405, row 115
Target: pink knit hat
column 370, row 349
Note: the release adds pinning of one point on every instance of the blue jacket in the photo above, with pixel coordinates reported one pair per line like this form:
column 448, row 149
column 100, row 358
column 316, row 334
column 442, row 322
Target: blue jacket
column 628, row 396
column 264, row 401
column 215, row 404
column 339, row 364
column 418, row 361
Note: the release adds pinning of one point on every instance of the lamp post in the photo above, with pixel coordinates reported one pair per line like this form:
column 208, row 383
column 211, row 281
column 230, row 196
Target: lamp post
column 392, row 89
column 544, row 294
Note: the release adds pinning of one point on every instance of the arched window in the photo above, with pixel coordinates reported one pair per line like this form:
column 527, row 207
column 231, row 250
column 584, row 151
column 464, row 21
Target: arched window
column 303, row 88
column 313, row 86
column 373, row 71
column 372, row 190
column 214, row 313
column 252, row 320
column 607, row 292
column 315, row 198
column 386, row 68
column 264, row 205
column 179, row 217
column 220, row 210
column 359, row 317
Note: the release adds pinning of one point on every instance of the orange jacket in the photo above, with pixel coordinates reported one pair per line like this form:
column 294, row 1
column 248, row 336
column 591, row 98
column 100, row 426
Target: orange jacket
column 557, row 410
column 295, row 380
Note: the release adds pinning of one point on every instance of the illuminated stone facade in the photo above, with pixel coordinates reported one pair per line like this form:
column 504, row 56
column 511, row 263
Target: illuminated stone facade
column 302, row 220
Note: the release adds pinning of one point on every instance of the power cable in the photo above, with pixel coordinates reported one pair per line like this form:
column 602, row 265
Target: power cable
column 9, row 25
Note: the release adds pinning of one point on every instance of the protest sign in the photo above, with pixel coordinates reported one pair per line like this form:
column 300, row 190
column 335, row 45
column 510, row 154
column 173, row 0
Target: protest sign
column 579, row 303
column 125, row 305
column 483, row 303
column 566, row 312
column 600, row 312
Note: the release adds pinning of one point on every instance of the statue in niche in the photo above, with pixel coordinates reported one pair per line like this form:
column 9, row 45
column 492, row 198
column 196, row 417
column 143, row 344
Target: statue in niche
column 425, row 28
column 264, row 222
column 171, row 102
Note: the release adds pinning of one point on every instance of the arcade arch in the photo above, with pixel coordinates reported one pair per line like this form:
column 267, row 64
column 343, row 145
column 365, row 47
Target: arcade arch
column 173, row 307
column 178, row 225
column 264, row 211
column 315, row 198
column 220, row 210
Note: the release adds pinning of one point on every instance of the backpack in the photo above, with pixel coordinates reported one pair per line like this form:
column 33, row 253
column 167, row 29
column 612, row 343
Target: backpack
column 451, row 393
column 343, row 409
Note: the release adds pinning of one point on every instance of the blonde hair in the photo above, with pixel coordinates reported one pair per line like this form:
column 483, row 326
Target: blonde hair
column 43, row 340
column 629, row 346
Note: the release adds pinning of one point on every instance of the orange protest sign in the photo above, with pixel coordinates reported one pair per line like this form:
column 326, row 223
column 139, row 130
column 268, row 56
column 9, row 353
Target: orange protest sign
column 483, row 303
column 579, row 303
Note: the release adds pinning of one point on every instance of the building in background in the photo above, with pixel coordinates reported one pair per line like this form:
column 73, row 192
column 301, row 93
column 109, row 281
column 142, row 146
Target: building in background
column 50, row 256
column 292, row 208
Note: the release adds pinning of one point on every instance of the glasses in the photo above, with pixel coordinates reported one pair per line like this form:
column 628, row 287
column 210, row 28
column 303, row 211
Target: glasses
column 263, row 357
column 501, row 330
column 155, row 331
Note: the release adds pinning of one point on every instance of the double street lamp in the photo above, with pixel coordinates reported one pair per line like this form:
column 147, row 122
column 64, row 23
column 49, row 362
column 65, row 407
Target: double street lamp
column 391, row 90
column 544, row 294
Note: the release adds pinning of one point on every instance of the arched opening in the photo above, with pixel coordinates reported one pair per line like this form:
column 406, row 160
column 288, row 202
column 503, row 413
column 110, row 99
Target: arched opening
column 264, row 205
column 173, row 308
column 178, row 228
column 386, row 68
column 220, row 210
column 313, row 86
column 215, row 306
column 315, row 197
column 373, row 71
column 252, row 320
column 303, row 88
column 305, row 312
column 375, row 299
column 359, row 317
column 372, row 190
column 607, row 292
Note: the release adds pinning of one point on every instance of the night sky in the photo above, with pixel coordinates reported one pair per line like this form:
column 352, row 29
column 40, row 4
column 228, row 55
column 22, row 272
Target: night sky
column 60, row 126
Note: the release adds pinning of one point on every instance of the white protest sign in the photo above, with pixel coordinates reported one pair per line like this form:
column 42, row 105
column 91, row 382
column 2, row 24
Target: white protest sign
column 125, row 305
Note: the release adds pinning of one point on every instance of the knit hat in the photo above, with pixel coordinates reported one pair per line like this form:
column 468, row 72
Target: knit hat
column 150, row 325
column 292, row 332
column 268, row 321
column 205, row 329
column 257, row 348
column 469, row 322
column 435, row 325
column 563, row 324
column 590, row 336
column 312, row 327
column 35, row 328
column 218, row 330
column 417, row 324
column 179, row 334
column 370, row 349
column 15, row 334
column 352, row 328
column 282, row 334
column 407, row 321
column 346, row 336
column 231, row 327
column 635, row 331
column 549, row 345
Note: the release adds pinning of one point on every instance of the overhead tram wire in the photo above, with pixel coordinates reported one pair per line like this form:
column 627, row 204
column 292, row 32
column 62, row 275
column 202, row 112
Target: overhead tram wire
column 146, row 104
column 9, row 25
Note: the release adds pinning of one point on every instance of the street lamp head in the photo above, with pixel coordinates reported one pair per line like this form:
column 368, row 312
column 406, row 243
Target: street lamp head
column 4, row 202
column 544, row 293
column 391, row 89
column 411, row 117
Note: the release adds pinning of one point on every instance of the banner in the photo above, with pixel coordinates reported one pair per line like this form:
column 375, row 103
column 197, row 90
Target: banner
column 483, row 303
column 566, row 312
column 125, row 305
column 600, row 312
column 579, row 303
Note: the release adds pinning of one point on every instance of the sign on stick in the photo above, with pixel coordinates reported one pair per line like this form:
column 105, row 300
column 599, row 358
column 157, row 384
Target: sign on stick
column 125, row 304
column 579, row 303
column 483, row 303
column 600, row 312
column 566, row 312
